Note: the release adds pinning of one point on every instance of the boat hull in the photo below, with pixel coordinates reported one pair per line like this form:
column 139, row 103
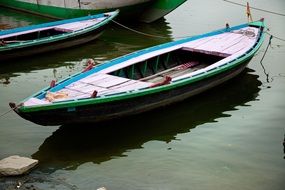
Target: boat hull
column 51, row 36
column 129, row 10
column 130, row 106
column 159, row 9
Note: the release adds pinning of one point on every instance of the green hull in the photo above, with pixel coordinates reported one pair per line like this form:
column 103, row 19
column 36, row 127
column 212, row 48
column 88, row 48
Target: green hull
column 153, row 9
column 66, row 13
column 159, row 9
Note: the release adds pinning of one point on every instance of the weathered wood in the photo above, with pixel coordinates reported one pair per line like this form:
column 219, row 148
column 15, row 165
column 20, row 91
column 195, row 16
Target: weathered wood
column 122, row 95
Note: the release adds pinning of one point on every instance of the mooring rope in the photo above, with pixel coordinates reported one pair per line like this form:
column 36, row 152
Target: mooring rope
column 259, row 9
column 146, row 34
column 264, row 70
column 5, row 113
column 11, row 109
column 261, row 61
column 281, row 39
column 136, row 31
column 179, row 37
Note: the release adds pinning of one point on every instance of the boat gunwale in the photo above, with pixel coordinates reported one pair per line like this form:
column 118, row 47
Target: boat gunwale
column 63, row 36
column 126, row 57
column 136, row 93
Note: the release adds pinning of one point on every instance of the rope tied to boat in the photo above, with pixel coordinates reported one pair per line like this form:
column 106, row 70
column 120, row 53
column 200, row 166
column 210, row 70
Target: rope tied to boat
column 248, row 32
column 276, row 37
column 146, row 34
column 266, row 74
column 90, row 65
column 13, row 106
column 138, row 32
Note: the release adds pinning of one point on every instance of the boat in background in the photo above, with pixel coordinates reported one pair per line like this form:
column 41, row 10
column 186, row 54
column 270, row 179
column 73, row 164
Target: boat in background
column 143, row 10
column 158, row 9
column 146, row 79
column 35, row 39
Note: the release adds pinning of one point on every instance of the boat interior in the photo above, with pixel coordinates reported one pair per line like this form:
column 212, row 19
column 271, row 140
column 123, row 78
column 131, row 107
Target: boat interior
column 156, row 68
column 39, row 33
column 145, row 74
column 32, row 35
column 172, row 64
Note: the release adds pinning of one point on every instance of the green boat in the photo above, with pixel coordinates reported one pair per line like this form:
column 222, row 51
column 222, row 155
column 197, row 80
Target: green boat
column 146, row 79
column 143, row 10
column 51, row 36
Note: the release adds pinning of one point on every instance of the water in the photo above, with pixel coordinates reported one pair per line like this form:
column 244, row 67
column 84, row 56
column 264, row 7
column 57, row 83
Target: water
column 227, row 138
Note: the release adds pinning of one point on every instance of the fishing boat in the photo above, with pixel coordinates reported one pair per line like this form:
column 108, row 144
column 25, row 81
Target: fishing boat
column 146, row 79
column 29, row 40
column 144, row 10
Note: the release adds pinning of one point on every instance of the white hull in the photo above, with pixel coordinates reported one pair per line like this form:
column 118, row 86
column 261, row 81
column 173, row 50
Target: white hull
column 86, row 4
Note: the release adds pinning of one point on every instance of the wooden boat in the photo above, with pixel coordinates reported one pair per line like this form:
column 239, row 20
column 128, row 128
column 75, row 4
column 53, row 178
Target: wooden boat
column 143, row 10
column 51, row 36
column 146, row 79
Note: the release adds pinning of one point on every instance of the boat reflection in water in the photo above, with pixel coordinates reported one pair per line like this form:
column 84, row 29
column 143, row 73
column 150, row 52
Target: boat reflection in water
column 71, row 146
column 12, row 19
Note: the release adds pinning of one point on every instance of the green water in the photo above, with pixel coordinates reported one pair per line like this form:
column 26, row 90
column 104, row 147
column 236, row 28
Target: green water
column 227, row 138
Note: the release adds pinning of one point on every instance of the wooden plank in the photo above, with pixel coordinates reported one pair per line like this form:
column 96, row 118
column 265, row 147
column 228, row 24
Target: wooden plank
column 221, row 54
column 108, row 92
column 110, row 81
column 134, row 86
column 93, row 78
column 197, row 43
column 237, row 48
column 71, row 92
column 35, row 101
column 130, row 82
column 75, row 85
column 77, row 25
column 219, row 44
column 85, row 88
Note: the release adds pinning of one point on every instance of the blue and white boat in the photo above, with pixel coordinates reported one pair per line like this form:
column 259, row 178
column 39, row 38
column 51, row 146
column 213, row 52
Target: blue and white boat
column 35, row 39
column 146, row 79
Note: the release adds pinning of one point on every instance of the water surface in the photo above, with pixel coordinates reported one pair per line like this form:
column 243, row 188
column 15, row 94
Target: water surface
column 227, row 138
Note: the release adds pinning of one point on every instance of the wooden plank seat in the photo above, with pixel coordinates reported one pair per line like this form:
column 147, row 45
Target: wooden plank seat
column 224, row 44
column 176, row 71
column 104, row 84
column 70, row 27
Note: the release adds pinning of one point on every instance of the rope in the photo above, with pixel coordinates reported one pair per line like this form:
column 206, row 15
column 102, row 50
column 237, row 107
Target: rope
column 266, row 74
column 281, row 39
column 146, row 34
column 272, row 12
column 142, row 33
column 5, row 113
column 246, row 33
column 264, row 70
